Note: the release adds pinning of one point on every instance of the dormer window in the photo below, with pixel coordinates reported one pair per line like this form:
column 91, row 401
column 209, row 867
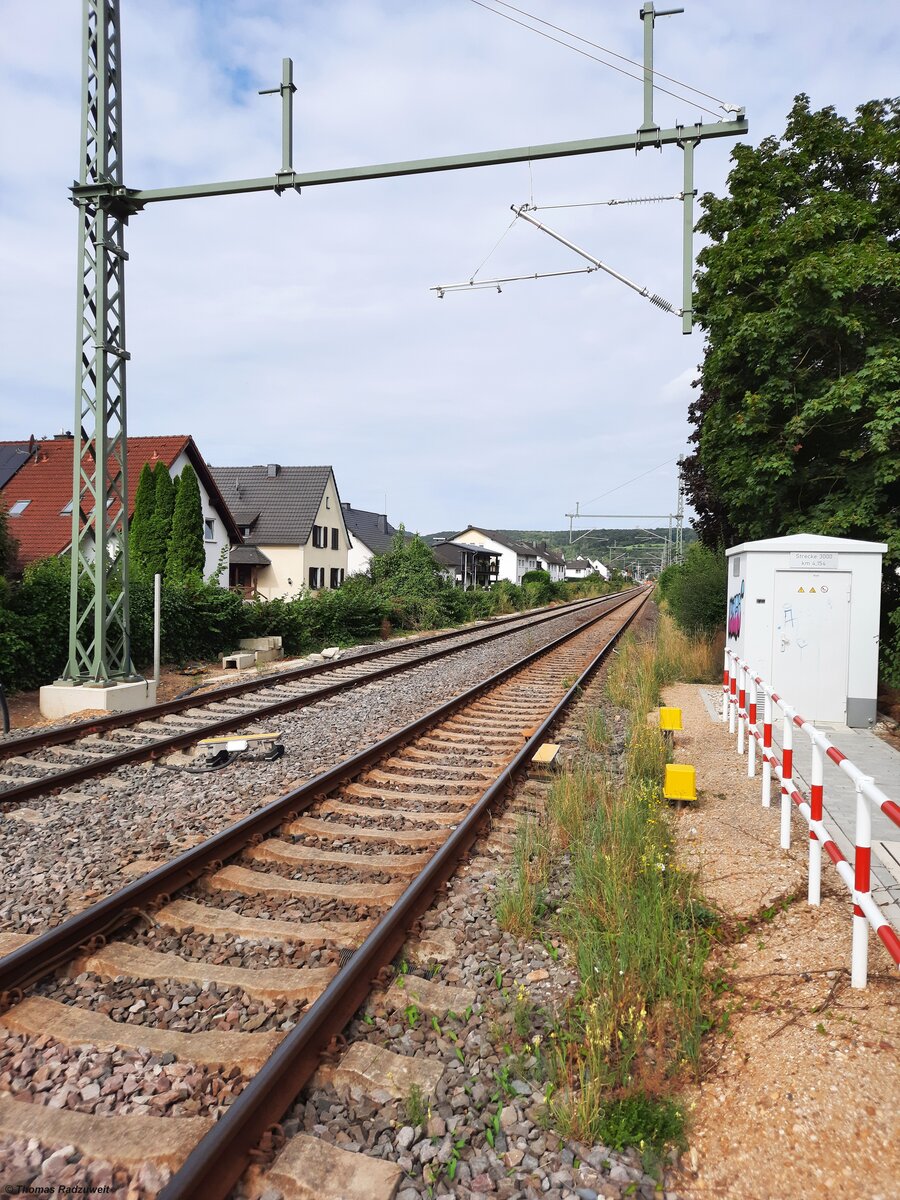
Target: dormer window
column 245, row 531
column 67, row 511
column 18, row 508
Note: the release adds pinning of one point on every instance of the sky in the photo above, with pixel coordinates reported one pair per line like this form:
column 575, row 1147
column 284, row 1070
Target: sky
column 303, row 329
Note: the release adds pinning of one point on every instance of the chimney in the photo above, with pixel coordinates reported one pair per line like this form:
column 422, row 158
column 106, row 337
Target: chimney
column 382, row 522
column 63, row 435
column 273, row 469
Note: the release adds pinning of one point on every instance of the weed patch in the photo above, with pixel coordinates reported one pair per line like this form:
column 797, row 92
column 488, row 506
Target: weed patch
column 632, row 922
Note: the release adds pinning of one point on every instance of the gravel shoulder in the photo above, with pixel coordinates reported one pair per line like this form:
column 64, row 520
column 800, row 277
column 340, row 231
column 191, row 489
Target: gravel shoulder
column 800, row 1079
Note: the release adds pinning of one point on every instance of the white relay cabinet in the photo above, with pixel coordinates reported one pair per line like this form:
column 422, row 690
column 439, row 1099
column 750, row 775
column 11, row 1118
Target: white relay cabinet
column 803, row 611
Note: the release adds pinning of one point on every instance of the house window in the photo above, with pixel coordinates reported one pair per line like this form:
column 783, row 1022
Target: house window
column 316, row 577
column 328, row 502
column 209, row 529
column 320, row 537
column 245, row 531
column 335, row 539
column 18, row 508
column 337, row 576
column 67, row 511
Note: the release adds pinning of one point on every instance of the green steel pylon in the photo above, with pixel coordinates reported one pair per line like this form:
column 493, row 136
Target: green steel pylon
column 99, row 646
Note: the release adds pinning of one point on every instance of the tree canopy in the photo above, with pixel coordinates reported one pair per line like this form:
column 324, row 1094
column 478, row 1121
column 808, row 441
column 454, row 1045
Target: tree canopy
column 797, row 423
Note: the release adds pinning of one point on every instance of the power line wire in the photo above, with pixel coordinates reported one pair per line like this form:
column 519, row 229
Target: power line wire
column 593, row 57
column 606, row 50
column 619, row 486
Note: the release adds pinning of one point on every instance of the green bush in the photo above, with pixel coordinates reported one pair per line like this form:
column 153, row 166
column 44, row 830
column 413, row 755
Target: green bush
column 34, row 625
column 510, row 597
column 539, row 588
column 412, row 583
column 696, row 590
column 197, row 620
column 480, row 604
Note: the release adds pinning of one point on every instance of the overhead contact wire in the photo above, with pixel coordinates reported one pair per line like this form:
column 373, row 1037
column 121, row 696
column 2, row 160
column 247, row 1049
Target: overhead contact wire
column 606, row 50
column 594, row 58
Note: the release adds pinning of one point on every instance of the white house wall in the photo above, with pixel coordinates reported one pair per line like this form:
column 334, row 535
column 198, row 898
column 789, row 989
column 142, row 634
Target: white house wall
column 359, row 556
column 284, row 577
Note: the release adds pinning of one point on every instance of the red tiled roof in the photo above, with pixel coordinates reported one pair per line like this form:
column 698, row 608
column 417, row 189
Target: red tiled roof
column 46, row 480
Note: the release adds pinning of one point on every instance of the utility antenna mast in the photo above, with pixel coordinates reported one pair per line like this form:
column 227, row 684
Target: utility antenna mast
column 99, row 639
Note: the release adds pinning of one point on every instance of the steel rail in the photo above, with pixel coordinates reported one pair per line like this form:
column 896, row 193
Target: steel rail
column 38, row 786
column 217, row 1162
column 34, row 959
column 72, row 732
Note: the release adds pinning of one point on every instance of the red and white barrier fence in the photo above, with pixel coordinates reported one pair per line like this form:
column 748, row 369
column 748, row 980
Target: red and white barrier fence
column 739, row 679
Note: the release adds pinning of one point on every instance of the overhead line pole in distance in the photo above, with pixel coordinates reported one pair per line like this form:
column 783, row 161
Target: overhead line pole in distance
column 99, row 637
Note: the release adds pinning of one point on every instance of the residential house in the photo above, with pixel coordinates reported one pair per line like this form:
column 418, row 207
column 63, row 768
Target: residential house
column 370, row 534
column 515, row 558
column 38, row 493
column 579, row 568
column 551, row 561
column 468, row 566
column 293, row 529
column 601, row 569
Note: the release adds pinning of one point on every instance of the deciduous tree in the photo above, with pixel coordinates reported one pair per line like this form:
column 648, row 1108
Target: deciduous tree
column 797, row 422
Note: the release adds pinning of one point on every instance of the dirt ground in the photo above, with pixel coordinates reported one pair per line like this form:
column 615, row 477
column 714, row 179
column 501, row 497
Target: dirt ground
column 799, row 1086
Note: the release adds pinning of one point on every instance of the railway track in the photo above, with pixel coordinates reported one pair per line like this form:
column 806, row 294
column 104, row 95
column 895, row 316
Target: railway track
column 324, row 886
column 47, row 760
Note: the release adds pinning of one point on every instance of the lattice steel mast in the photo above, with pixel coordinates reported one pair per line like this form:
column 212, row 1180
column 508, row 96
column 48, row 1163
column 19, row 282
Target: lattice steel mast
column 99, row 641
column 99, row 647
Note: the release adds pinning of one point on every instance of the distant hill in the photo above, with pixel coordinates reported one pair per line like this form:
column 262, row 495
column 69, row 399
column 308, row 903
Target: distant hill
column 594, row 544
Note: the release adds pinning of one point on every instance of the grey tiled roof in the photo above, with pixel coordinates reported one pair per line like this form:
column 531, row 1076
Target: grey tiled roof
column 249, row 556
column 544, row 551
column 521, row 548
column 372, row 529
column 287, row 502
column 452, row 553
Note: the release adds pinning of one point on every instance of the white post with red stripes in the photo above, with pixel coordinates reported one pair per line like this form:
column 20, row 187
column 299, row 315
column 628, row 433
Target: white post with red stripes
column 816, row 789
column 767, row 752
column 725, row 686
column 753, row 728
column 862, row 886
column 856, row 877
column 742, row 707
column 787, row 780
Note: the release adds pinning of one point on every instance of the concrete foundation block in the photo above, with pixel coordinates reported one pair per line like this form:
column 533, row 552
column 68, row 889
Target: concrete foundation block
column 62, row 700
column 263, row 643
column 264, row 656
column 239, row 661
